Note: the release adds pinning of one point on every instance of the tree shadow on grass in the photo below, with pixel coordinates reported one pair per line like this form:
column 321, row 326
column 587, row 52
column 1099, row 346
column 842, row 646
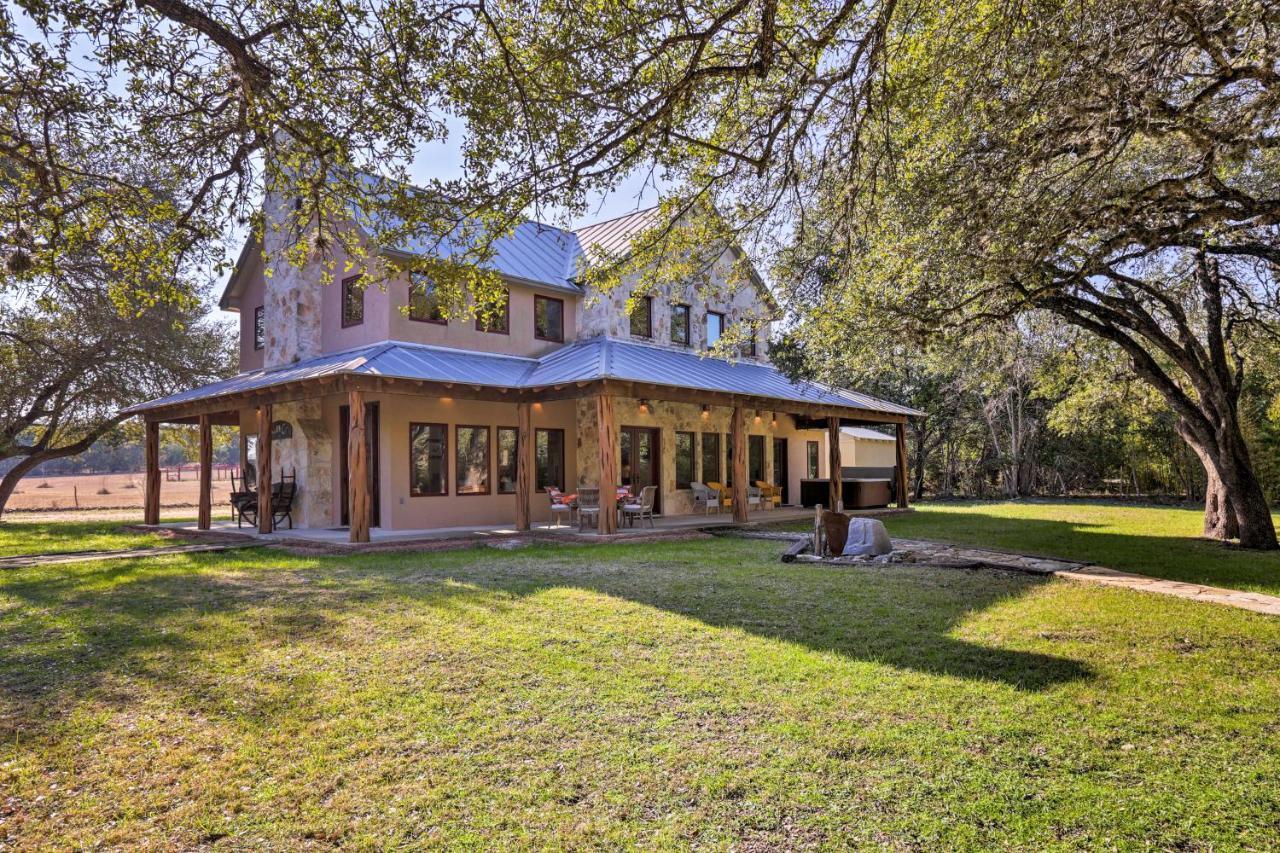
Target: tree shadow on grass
column 1163, row 554
column 146, row 618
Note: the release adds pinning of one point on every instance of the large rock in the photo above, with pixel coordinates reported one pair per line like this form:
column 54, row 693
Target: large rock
column 866, row 537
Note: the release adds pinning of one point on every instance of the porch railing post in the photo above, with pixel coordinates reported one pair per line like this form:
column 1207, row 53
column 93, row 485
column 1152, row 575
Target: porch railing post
column 357, row 468
column 901, row 473
column 524, row 464
column 205, row 510
column 836, row 496
column 264, row 468
column 151, row 485
column 738, row 435
column 608, row 522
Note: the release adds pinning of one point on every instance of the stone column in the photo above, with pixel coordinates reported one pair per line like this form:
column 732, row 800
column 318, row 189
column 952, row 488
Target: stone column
column 309, row 453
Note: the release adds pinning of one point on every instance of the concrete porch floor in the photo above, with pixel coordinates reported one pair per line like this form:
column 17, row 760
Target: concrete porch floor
column 337, row 537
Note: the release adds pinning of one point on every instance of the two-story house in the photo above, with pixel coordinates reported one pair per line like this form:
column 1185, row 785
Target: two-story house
column 391, row 415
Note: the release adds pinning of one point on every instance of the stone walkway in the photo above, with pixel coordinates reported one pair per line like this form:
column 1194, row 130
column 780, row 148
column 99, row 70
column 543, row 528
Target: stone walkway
column 960, row 557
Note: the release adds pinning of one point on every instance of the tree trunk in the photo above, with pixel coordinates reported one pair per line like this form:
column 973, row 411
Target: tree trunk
column 1234, row 503
column 11, row 478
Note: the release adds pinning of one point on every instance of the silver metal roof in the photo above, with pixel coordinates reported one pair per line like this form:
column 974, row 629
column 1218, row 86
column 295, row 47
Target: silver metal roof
column 867, row 434
column 582, row 361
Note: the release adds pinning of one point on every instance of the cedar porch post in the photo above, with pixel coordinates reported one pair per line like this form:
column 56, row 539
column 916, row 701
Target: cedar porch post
column 151, row 485
column 836, row 495
column 738, row 435
column 206, row 474
column 357, row 468
column 524, row 463
column 264, row 468
column 901, row 474
column 608, row 465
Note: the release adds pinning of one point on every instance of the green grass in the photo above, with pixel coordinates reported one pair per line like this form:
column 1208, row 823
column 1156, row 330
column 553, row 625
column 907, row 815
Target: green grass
column 1160, row 541
column 677, row 694
column 45, row 537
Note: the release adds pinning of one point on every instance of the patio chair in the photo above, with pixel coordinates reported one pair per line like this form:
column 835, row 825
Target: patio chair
column 559, row 506
column 723, row 493
column 704, row 498
column 754, row 497
column 634, row 509
column 242, row 492
column 280, row 503
column 771, row 495
column 588, row 506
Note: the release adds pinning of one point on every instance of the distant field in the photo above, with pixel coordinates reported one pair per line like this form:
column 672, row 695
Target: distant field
column 122, row 491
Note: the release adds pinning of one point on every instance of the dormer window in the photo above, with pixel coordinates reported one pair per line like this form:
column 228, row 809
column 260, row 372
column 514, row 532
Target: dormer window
column 680, row 324
column 424, row 304
column 352, row 302
column 642, row 317
column 715, row 328
column 548, row 319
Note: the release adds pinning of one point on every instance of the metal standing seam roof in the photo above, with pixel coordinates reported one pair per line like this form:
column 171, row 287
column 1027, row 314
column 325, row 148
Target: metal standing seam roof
column 582, row 361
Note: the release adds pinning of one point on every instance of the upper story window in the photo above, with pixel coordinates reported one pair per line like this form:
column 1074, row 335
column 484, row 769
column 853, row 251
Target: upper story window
column 642, row 317
column 748, row 347
column 259, row 328
column 497, row 321
column 352, row 302
column 715, row 327
column 424, row 304
column 680, row 324
column 548, row 319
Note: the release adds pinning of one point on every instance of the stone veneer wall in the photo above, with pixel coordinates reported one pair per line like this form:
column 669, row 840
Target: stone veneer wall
column 671, row 418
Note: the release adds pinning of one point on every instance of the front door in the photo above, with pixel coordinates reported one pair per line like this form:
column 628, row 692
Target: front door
column 371, row 448
column 780, row 467
column 640, row 466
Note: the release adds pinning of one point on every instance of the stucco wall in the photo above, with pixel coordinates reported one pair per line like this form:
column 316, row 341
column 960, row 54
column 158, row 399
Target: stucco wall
column 867, row 453
column 250, row 358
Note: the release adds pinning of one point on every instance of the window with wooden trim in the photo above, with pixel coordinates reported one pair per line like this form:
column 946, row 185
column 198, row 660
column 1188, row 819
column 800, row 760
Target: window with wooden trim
column 497, row 319
column 812, row 454
column 748, row 345
column 508, row 448
column 715, row 327
column 680, row 324
column 684, row 459
column 548, row 318
column 548, row 458
column 755, row 458
column 424, row 303
column 259, row 327
column 471, row 460
column 642, row 316
column 428, row 459
column 352, row 301
column 711, row 457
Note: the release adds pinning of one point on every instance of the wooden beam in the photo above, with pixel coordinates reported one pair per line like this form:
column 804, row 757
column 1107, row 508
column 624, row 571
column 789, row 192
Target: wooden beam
column 524, row 464
column 738, row 435
column 834, row 494
column 205, row 510
column 901, row 472
column 151, row 496
column 608, row 429
column 264, row 468
column 357, row 468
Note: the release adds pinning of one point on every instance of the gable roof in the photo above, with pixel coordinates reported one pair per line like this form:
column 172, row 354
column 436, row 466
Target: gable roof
column 582, row 361
column 867, row 434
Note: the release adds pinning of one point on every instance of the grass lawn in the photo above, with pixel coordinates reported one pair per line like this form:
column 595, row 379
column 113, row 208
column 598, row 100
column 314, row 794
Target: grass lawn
column 680, row 694
column 1149, row 540
column 46, row 537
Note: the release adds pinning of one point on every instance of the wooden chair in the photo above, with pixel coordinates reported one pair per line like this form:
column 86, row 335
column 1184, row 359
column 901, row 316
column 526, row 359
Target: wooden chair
column 588, row 506
column 704, row 498
column 634, row 509
column 279, row 503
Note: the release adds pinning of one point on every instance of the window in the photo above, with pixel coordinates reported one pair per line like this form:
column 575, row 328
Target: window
column 352, row 302
column 749, row 343
column 471, row 468
column 710, row 457
column 755, row 458
column 548, row 319
column 259, row 328
column 548, row 454
column 684, row 459
column 428, row 463
column 424, row 304
column 498, row 320
column 715, row 328
column 811, row 460
column 642, row 317
column 680, row 324
column 508, row 441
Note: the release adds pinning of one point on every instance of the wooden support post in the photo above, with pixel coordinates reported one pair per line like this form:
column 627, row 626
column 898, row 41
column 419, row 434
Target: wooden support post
column 205, row 510
column 835, row 497
column 151, row 486
column 901, row 472
column 738, row 435
column 244, row 452
column 264, row 468
column 357, row 468
column 608, row 464
column 524, row 464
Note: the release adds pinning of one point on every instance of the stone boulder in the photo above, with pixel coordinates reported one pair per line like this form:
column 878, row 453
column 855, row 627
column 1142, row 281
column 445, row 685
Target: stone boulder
column 866, row 537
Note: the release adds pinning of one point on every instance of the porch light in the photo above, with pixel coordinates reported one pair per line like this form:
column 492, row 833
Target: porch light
column 773, row 419
column 706, row 411
column 644, row 406
column 757, row 416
